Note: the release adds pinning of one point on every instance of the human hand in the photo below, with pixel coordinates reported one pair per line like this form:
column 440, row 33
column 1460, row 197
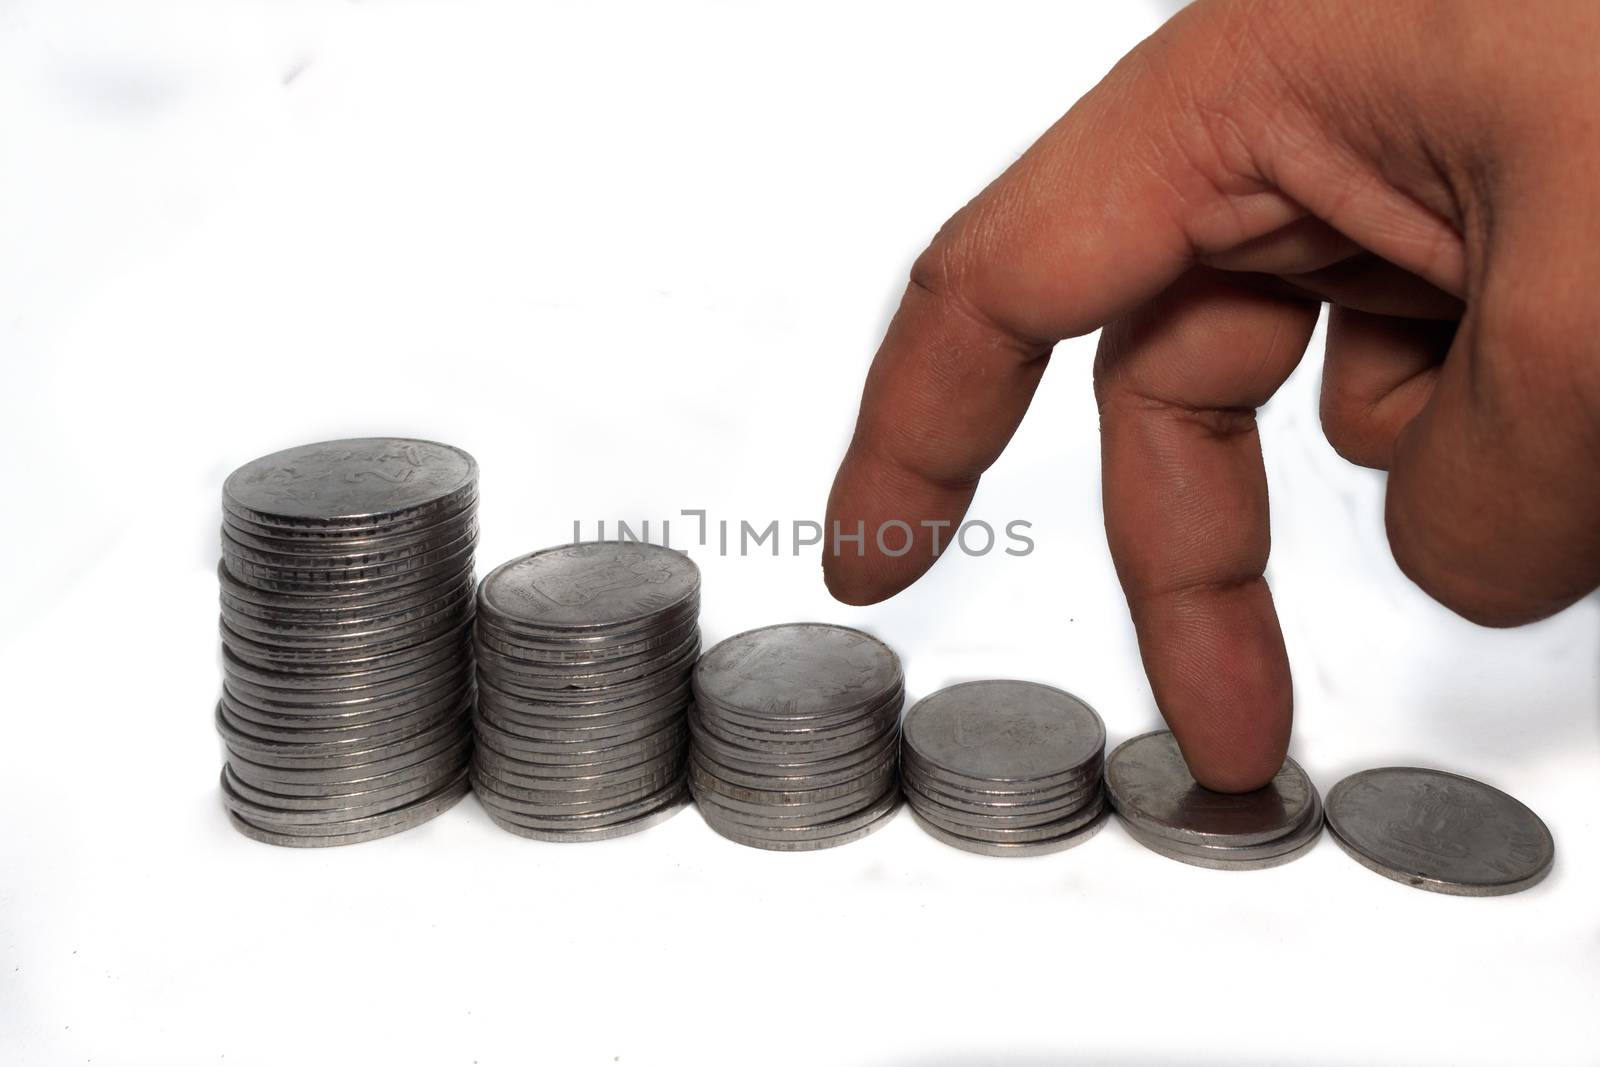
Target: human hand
column 1429, row 169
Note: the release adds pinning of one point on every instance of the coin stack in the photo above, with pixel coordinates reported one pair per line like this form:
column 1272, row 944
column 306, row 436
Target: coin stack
column 1005, row 768
column 795, row 736
column 584, row 654
column 346, row 630
column 1168, row 812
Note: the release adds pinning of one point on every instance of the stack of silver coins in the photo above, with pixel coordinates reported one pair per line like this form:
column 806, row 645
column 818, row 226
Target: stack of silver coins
column 584, row 654
column 347, row 579
column 1005, row 768
column 795, row 736
column 1168, row 812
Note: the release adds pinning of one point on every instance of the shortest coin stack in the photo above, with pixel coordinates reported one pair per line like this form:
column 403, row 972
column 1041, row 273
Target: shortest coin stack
column 796, row 736
column 1439, row 831
column 1168, row 812
column 1005, row 768
column 584, row 654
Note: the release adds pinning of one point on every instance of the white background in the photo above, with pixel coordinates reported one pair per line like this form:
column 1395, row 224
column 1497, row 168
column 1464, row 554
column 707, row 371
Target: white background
column 635, row 258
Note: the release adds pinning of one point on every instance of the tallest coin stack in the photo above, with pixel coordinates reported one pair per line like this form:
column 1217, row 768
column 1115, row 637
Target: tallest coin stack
column 347, row 607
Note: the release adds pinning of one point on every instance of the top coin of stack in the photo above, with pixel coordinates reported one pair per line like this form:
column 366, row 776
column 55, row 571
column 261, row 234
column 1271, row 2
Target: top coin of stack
column 584, row 654
column 1005, row 768
column 346, row 588
column 1168, row 812
column 795, row 736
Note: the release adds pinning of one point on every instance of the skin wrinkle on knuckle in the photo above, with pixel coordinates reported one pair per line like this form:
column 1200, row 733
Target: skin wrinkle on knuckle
column 942, row 275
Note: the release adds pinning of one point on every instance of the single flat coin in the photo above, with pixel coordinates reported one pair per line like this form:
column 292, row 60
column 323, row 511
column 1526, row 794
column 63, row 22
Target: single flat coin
column 1440, row 831
column 797, row 671
column 1005, row 731
column 1031, row 848
column 1151, row 788
column 351, row 482
column 595, row 584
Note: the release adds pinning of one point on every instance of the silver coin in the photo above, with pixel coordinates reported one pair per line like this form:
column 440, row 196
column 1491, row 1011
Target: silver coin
column 782, row 821
column 333, row 606
column 818, row 838
column 572, row 738
column 797, row 671
column 594, row 799
column 335, row 537
column 599, row 833
column 330, row 739
column 350, row 540
column 584, row 712
column 592, row 640
column 292, row 654
column 358, row 590
column 590, row 585
column 763, row 813
column 348, row 560
column 1150, row 787
column 293, row 755
column 390, row 700
column 1032, row 848
column 1012, row 835
column 404, row 787
column 789, row 783
column 752, row 731
column 289, row 820
column 668, row 675
column 586, row 651
column 353, row 482
column 292, row 553
column 784, row 764
column 993, row 794
column 871, row 778
column 863, row 736
column 539, row 754
column 920, row 797
column 358, row 830
column 444, row 652
column 438, row 766
column 575, row 776
column 590, row 723
column 1290, row 847
column 540, row 817
column 1005, row 731
column 535, row 678
column 280, row 779
column 668, row 767
column 1439, row 831
column 314, row 634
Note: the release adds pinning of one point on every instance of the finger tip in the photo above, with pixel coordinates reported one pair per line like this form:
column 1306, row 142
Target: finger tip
column 1239, row 762
column 854, row 583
